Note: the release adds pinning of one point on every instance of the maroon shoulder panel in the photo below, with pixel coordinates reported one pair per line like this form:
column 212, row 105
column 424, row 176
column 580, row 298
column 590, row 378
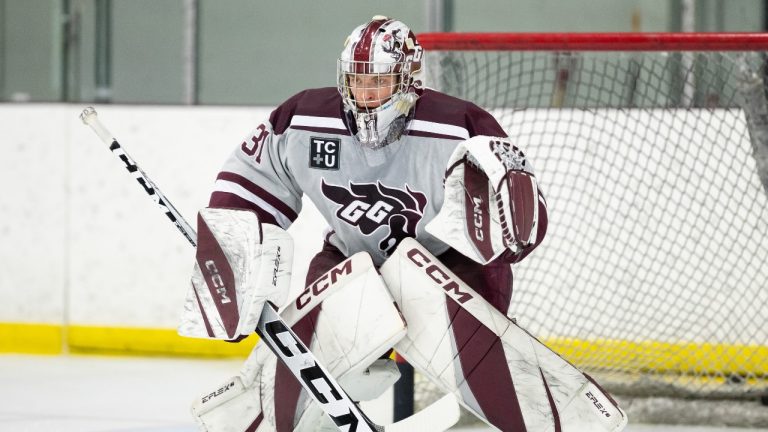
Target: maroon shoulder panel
column 437, row 107
column 480, row 122
column 433, row 106
column 320, row 102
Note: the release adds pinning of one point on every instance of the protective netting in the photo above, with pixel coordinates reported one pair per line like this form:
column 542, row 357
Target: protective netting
column 652, row 276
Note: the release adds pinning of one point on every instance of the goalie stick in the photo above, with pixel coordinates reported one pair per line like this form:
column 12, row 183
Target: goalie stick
column 282, row 341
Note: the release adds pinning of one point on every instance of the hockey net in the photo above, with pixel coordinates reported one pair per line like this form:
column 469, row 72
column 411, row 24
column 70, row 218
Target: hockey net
column 652, row 151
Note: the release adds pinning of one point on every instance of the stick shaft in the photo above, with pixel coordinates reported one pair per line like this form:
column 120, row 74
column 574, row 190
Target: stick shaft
column 89, row 117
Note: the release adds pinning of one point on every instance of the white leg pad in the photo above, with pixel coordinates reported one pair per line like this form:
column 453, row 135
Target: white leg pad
column 357, row 323
column 496, row 369
column 239, row 404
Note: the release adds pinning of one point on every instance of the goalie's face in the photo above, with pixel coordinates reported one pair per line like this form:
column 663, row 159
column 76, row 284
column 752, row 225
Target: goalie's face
column 371, row 90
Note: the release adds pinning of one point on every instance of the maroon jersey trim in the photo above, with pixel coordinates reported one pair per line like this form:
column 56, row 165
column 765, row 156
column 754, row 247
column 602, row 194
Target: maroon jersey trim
column 251, row 187
column 322, row 130
column 433, row 106
column 417, row 133
column 319, row 102
column 222, row 199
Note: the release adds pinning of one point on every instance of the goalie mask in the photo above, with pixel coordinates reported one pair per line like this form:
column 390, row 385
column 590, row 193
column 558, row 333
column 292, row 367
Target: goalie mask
column 378, row 74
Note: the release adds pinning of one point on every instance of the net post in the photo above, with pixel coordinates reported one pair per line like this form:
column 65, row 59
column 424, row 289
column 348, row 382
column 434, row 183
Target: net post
column 404, row 390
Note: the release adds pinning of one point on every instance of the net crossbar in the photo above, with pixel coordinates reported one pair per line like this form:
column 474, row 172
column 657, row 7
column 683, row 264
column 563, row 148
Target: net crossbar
column 652, row 151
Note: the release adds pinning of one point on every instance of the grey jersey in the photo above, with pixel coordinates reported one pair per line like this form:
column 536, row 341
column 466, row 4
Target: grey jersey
column 371, row 199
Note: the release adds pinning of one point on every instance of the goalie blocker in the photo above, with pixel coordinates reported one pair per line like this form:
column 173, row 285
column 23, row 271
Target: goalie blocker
column 239, row 265
column 496, row 369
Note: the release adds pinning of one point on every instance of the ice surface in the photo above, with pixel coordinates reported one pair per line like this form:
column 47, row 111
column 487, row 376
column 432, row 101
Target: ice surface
column 132, row 394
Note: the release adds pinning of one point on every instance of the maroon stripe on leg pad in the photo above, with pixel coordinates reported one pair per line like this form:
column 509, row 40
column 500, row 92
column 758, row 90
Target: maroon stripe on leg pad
column 485, row 369
column 218, row 276
column 256, row 422
column 552, row 405
column 207, row 324
column 287, row 387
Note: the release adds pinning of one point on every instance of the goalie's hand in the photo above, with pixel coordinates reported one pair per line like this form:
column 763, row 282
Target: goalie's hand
column 492, row 201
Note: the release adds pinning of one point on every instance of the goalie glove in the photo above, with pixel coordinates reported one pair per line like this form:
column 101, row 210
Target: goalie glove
column 239, row 264
column 491, row 204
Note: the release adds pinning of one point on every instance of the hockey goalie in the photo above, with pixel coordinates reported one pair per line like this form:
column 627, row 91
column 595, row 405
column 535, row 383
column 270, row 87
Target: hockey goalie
column 428, row 206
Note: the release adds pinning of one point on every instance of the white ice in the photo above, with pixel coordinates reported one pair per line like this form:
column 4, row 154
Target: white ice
column 131, row 394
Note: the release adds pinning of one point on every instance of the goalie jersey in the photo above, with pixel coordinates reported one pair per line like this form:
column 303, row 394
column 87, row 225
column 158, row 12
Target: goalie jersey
column 370, row 198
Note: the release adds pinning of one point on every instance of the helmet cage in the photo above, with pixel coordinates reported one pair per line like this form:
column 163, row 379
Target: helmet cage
column 374, row 72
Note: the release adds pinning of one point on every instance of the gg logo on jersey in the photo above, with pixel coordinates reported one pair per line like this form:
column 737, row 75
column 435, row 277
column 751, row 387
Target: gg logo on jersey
column 370, row 206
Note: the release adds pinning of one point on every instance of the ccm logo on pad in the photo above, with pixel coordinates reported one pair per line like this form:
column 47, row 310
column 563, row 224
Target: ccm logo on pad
column 322, row 283
column 477, row 211
column 218, row 281
column 450, row 286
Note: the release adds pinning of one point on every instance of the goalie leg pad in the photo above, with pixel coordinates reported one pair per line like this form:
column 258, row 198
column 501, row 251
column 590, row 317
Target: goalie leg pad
column 238, row 405
column 348, row 319
column 497, row 370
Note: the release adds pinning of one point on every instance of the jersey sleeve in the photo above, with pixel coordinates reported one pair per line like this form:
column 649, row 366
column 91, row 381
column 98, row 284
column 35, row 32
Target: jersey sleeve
column 481, row 122
column 256, row 176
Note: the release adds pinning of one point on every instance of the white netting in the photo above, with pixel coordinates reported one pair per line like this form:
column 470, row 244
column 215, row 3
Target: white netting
column 653, row 274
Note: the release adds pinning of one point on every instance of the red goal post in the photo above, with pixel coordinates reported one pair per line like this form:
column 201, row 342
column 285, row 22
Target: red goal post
column 652, row 150
column 594, row 41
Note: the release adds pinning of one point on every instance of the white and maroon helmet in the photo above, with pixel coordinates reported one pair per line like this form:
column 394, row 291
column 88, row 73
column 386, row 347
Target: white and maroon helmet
column 381, row 47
